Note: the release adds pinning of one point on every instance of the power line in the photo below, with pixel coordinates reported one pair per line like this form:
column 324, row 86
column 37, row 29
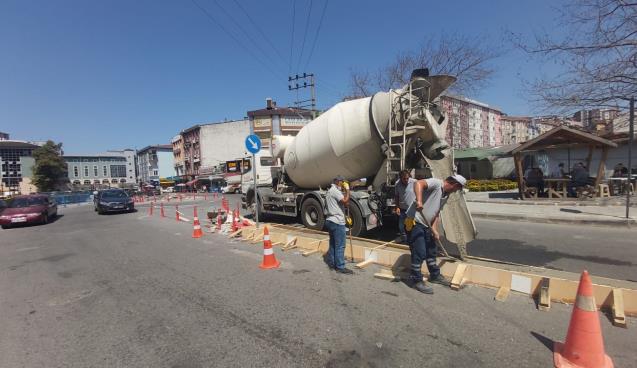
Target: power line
column 307, row 24
column 263, row 34
column 238, row 25
column 212, row 19
column 292, row 38
column 318, row 30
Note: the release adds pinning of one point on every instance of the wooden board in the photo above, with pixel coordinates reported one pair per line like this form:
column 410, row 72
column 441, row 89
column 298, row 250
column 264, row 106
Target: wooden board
column 458, row 276
column 503, row 294
column 544, row 302
column 488, row 273
column 619, row 318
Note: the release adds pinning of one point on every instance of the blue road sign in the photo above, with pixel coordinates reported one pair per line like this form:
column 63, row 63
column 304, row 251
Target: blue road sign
column 253, row 143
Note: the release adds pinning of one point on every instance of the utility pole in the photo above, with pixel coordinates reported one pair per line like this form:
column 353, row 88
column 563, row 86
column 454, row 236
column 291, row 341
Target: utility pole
column 297, row 85
column 631, row 133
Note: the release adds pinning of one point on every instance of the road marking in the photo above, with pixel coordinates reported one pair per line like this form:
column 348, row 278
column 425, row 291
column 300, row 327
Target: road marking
column 142, row 217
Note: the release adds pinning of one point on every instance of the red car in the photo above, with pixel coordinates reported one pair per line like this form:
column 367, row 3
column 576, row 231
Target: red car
column 35, row 208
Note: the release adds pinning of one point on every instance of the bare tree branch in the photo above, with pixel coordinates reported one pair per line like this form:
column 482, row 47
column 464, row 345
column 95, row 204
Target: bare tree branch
column 599, row 55
column 466, row 58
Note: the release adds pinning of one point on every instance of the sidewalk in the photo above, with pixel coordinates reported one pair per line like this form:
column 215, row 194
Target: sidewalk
column 502, row 206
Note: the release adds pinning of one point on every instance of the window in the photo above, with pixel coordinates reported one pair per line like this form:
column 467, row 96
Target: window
column 95, row 171
column 118, row 171
column 155, row 173
column 85, row 171
column 105, row 171
column 76, row 172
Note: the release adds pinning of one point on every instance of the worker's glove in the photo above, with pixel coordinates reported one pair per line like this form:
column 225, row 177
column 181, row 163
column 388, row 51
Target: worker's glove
column 345, row 185
column 348, row 221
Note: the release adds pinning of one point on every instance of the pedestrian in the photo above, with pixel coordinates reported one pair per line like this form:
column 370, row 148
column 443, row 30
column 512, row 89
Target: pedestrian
column 404, row 190
column 431, row 196
column 559, row 172
column 335, row 202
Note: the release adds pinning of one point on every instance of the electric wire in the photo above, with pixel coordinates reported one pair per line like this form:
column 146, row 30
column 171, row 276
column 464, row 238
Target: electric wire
column 263, row 34
column 237, row 41
column 307, row 24
column 318, row 31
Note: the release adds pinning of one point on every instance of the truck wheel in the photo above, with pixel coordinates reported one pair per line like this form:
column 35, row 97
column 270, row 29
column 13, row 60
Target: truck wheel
column 358, row 222
column 312, row 214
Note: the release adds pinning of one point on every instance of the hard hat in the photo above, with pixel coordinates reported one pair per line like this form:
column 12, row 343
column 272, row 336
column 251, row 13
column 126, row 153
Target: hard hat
column 458, row 179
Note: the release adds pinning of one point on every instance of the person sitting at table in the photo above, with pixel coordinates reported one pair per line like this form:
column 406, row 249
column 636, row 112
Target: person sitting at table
column 534, row 177
column 620, row 171
column 559, row 172
column 579, row 179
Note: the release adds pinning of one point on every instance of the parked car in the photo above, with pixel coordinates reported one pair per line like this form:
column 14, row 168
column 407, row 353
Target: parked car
column 231, row 188
column 28, row 209
column 113, row 200
column 169, row 190
column 3, row 205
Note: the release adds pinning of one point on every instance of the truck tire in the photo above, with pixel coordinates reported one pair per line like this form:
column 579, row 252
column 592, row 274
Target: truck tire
column 358, row 222
column 312, row 214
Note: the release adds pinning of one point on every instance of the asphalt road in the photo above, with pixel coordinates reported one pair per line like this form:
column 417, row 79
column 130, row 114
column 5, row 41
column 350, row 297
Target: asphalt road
column 131, row 290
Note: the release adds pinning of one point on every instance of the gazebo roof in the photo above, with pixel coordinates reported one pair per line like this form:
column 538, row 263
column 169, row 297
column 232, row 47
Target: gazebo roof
column 562, row 136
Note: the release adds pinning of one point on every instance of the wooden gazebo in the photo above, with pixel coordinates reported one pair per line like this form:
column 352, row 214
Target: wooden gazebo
column 563, row 137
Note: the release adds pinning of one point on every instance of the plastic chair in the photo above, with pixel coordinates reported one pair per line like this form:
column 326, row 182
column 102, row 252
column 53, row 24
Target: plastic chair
column 604, row 190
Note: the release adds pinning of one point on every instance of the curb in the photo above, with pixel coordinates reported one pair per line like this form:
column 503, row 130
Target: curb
column 547, row 203
column 554, row 220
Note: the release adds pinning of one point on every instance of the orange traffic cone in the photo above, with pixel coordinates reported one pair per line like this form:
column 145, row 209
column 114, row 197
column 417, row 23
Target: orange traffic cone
column 162, row 210
column 150, row 209
column 196, row 226
column 177, row 213
column 235, row 226
column 269, row 260
column 584, row 345
column 205, row 197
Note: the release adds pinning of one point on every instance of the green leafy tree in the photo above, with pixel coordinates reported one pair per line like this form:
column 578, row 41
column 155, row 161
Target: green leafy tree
column 50, row 169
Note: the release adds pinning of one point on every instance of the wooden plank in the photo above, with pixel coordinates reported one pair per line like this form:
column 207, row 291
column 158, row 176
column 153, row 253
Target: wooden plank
column 365, row 263
column 601, row 170
column 456, row 281
column 503, row 294
column 236, row 233
column 619, row 318
column 290, row 242
column 385, row 276
column 544, row 304
column 310, row 252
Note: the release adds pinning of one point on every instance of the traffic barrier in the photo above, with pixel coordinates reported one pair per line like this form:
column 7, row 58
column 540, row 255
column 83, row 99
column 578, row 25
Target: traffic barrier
column 269, row 260
column 584, row 344
column 162, row 210
column 177, row 213
column 196, row 226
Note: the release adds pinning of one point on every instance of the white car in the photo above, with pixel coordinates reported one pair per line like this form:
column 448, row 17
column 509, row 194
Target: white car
column 231, row 188
column 168, row 190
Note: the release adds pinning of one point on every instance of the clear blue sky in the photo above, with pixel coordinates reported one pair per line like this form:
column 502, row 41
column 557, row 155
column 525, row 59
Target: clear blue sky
column 100, row 75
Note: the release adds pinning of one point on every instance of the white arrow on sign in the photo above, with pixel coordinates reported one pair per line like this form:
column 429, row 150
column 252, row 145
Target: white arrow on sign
column 253, row 143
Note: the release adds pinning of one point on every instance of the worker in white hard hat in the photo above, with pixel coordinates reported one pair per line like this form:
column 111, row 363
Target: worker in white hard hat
column 431, row 196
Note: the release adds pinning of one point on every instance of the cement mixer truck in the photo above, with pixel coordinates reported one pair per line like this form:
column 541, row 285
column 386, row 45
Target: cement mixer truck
column 368, row 141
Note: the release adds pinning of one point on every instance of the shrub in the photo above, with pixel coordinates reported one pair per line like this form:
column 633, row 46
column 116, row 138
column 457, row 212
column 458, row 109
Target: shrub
column 484, row 185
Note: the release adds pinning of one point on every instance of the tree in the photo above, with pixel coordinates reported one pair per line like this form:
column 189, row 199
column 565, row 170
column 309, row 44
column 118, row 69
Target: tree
column 466, row 58
column 50, row 169
column 598, row 53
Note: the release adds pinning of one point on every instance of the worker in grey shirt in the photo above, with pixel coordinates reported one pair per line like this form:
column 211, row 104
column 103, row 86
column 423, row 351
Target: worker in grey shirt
column 405, row 195
column 431, row 196
column 335, row 202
